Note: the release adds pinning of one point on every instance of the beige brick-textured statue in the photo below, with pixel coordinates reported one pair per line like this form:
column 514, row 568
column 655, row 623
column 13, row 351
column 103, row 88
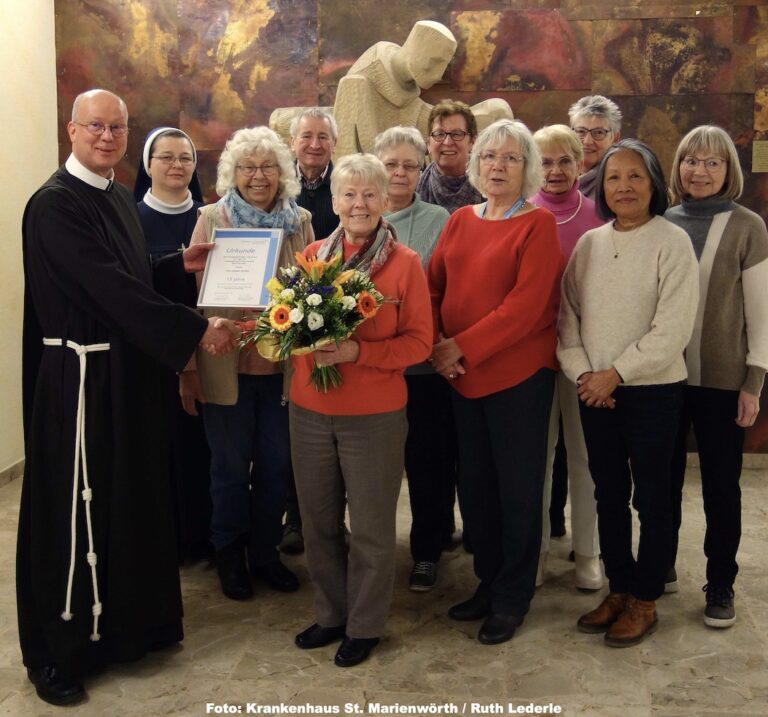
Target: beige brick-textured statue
column 383, row 87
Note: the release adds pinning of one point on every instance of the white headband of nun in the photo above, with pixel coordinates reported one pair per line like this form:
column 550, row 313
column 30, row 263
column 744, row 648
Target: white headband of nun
column 152, row 136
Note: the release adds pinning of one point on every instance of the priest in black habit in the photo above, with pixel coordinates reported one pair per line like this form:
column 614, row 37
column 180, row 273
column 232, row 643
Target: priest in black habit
column 97, row 577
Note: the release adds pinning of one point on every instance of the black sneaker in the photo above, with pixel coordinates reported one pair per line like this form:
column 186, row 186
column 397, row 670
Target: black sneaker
column 670, row 581
column 423, row 576
column 719, row 611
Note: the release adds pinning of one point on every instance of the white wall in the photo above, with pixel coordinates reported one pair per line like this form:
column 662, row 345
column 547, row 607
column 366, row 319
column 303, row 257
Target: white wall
column 28, row 155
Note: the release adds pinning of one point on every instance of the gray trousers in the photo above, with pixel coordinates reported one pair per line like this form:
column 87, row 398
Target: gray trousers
column 362, row 457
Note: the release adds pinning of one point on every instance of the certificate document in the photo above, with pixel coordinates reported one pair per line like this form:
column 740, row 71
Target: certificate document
column 238, row 269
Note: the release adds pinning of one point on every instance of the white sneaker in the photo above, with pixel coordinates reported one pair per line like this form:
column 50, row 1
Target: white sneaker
column 589, row 575
column 540, row 569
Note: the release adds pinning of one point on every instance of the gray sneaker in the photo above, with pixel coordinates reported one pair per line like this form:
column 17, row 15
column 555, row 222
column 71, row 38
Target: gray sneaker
column 423, row 576
column 293, row 540
column 719, row 611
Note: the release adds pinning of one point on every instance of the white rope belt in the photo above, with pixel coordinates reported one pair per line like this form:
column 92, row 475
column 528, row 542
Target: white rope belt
column 87, row 493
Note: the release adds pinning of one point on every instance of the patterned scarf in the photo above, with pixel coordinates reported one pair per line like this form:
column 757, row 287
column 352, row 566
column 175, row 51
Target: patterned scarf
column 451, row 193
column 285, row 214
column 371, row 256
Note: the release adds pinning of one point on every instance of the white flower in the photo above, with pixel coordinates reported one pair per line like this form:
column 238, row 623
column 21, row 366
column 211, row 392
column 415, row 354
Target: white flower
column 315, row 300
column 348, row 302
column 295, row 315
column 287, row 294
column 290, row 272
column 314, row 320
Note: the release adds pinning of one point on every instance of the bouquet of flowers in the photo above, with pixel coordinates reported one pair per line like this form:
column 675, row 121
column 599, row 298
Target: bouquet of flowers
column 312, row 304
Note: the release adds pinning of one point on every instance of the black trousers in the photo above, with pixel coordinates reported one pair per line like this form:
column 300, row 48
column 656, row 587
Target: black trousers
column 430, row 464
column 712, row 413
column 502, row 442
column 638, row 434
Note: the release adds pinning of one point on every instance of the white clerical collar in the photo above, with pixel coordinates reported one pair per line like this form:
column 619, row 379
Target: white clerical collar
column 160, row 206
column 77, row 169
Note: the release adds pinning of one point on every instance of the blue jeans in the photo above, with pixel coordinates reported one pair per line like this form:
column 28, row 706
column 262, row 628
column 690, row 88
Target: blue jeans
column 250, row 466
column 632, row 445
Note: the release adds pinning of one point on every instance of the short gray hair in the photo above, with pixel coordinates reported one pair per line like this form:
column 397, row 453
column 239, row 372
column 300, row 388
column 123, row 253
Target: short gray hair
column 497, row 134
column 597, row 106
column 315, row 113
column 395, row 136
column 90, row 93
column 363, row 168
column 247, row 142
column 716, row 141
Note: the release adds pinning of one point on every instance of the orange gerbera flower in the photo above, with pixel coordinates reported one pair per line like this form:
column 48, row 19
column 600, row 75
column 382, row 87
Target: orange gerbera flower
column 279, row 317
column 366, row 305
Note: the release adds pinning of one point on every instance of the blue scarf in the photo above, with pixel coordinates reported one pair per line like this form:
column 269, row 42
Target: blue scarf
column 285, row 214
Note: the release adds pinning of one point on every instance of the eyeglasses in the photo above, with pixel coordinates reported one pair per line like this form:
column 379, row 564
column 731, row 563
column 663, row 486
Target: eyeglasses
column 170, row 160
column 711, row 164
column 507, row 160
column 598, row 133
column 409, row 167
column 456, row 135
column 249, row 170
column 564, row 163
column 99, row 128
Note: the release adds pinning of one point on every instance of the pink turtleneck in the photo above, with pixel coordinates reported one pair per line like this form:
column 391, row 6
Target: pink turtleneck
column 572, row 220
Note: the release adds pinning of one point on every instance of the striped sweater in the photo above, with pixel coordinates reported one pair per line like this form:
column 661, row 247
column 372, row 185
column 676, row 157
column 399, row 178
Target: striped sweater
column 729, row 346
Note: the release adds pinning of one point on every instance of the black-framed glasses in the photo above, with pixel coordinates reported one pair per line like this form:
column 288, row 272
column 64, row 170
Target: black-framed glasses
column 711, row 164
column 249, row 170
column 184, row 160
column 408, row 167
column 598, row 133
column 455, row 134
column 99, row 128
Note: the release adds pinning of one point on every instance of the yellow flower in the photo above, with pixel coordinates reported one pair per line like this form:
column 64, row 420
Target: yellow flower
column 279, row 317
column 338, row 292
column 345, row 276
column 274, row 286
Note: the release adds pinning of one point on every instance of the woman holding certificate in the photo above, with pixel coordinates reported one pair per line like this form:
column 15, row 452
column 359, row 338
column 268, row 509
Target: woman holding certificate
column 244, row 407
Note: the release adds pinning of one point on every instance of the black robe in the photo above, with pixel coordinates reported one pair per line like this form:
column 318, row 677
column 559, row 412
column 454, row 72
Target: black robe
column 88, row 280
column 190, row 456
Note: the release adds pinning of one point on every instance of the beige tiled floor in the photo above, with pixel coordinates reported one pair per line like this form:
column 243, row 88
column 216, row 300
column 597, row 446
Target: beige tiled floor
column 242, row 654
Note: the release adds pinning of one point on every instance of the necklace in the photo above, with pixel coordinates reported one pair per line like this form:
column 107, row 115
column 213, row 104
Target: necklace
column 565, row 221
column 514, row 209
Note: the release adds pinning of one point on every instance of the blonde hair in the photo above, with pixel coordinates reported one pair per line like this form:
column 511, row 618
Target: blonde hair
column 562, row 137
column 714, row 140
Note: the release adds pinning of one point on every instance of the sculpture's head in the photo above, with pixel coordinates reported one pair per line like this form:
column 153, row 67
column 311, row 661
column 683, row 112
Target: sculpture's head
column 427, row 51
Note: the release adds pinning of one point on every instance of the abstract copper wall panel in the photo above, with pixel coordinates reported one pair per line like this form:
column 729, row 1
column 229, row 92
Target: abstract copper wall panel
column 656, row 57
column 521, row 51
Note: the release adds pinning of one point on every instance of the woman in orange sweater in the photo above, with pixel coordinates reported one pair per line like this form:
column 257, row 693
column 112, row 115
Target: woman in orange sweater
column 350, row 441
column 493, row 281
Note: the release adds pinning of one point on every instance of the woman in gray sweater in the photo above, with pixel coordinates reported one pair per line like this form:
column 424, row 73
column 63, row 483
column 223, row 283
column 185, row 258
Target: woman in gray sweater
column 629, row 298
column 728, row 353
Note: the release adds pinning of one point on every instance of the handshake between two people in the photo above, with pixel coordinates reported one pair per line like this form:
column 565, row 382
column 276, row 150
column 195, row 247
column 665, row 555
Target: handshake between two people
column 221, row 337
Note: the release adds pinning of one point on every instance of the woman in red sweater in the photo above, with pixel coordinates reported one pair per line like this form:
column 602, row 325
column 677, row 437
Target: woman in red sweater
column 350, row 441
column 493, row 281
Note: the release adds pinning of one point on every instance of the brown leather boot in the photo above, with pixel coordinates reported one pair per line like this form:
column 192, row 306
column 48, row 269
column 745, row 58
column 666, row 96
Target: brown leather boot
column 605, row 614
column 638, row 620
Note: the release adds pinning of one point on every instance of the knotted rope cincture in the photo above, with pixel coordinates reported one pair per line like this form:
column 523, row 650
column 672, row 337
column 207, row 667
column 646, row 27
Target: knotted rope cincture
column 81, row 459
